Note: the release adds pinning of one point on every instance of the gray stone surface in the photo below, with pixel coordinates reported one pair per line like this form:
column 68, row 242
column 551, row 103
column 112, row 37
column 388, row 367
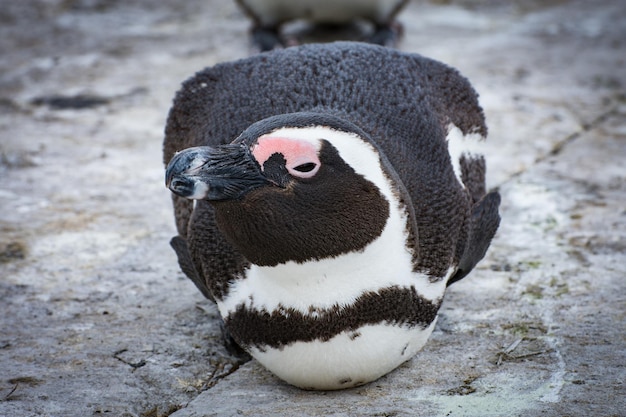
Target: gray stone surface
column 96, row 319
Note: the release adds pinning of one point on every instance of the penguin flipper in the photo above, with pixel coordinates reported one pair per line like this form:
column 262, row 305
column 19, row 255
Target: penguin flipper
column 187, row 266
column 484, row 223
column 182, row 214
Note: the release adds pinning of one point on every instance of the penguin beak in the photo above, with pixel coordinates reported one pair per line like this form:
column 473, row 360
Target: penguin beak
column 226, row 172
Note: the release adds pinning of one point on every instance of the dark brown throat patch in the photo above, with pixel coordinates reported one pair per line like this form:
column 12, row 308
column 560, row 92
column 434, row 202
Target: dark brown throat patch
column 336, row 212
column 283, row 326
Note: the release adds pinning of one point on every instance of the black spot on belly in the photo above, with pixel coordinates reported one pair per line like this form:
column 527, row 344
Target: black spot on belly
column 283, row 326
column 345, row 381
column 355, row 335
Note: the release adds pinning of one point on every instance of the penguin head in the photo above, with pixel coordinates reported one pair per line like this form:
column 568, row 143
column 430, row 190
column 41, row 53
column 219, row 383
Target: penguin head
column 295, row 187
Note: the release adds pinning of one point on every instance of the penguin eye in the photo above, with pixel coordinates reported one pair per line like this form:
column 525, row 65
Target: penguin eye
column 308, row 167
column 303, row 169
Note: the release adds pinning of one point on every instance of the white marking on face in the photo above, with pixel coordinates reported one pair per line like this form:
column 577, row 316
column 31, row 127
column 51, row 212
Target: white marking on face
column 460, row 144
column 322, row 284
column 301, row 157
column 348, row 359
column 200, row 190
column 356, row 152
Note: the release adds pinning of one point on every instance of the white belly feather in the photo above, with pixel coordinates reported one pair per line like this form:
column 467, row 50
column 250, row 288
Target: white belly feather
column 348, row 359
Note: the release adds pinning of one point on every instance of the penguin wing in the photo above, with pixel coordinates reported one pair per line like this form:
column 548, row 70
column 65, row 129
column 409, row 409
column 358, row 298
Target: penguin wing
column 483, row 225
column 187, row 266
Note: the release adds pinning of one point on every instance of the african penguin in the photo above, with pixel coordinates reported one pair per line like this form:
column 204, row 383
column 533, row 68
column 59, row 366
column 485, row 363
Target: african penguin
column 269, row 16
column 328, row 217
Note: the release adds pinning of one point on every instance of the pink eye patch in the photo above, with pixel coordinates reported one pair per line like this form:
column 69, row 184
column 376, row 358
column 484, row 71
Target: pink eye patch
column 301, row 156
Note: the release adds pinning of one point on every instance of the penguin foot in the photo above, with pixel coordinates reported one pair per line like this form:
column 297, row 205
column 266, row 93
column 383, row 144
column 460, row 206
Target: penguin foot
column 232, row 346
column 266, row 39
column 387, row 34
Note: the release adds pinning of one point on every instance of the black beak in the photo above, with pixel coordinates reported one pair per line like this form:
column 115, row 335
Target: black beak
column 226, row 172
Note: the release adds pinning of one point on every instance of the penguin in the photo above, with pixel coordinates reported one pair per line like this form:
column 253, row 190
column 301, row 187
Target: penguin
column 269, row 16
column 325, row 197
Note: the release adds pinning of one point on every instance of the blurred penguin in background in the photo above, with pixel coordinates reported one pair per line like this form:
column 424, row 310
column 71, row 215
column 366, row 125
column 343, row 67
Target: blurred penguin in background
column 371, row 21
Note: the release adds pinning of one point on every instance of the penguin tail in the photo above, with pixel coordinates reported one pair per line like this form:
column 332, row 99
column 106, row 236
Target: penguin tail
column 187, row 266
column 473, row 168
column 484, row 223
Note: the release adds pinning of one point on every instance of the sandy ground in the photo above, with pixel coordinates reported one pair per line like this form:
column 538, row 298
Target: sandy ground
column 96, row 319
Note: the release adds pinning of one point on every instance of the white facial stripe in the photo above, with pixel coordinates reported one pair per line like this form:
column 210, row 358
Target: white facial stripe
column 341, row 280
column 460, row 144
column 295, row 151
column 357, row 153
column 200, row 190
column 348, row 359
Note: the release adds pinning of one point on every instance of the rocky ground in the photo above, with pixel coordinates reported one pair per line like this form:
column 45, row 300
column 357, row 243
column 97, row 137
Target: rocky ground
column 97, row 319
